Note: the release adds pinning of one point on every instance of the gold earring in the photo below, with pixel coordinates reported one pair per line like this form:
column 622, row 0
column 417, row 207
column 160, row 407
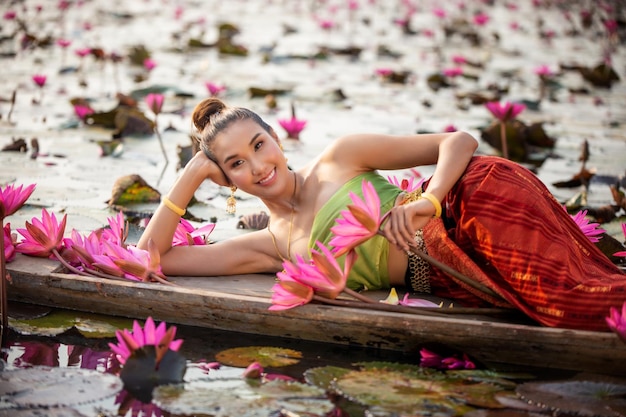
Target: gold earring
column 280, row 145
column 231, row 203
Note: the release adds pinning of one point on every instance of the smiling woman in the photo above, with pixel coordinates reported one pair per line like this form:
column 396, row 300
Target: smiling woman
column 487, row 217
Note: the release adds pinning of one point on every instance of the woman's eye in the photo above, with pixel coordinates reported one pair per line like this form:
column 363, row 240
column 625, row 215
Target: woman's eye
column 236, row 163
column 258, row 145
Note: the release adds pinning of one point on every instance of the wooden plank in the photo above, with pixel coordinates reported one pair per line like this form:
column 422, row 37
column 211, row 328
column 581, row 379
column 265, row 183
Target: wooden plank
column 241, row 304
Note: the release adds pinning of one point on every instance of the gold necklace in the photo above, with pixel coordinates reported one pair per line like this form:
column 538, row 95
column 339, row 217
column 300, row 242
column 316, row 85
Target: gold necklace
column 293, row 210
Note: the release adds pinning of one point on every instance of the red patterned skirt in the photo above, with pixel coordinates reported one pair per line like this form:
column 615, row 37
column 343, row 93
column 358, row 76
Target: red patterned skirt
column 504, row 229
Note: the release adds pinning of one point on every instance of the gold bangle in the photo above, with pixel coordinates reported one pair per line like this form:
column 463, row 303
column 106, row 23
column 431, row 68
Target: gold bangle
column 168, row 203
column 435, row 201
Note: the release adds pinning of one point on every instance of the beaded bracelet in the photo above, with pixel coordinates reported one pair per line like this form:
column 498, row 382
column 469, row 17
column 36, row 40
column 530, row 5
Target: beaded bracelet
column 435, row 201
column 170, row 205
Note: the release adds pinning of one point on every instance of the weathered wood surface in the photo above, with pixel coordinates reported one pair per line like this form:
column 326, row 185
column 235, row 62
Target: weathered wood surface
column 241, row 304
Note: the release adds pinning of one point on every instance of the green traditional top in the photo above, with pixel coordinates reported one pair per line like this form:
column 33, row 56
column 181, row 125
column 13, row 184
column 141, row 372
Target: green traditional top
column 370, row 270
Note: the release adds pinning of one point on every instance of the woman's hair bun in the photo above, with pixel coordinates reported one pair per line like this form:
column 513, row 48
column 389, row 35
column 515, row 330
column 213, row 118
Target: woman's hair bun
column 204, row 110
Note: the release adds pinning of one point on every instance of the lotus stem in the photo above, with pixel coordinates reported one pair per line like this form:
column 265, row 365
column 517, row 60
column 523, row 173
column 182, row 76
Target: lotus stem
column 424, row 311
column 358, row 296
column 3, row 288
column 156, row 129
column 505, row 145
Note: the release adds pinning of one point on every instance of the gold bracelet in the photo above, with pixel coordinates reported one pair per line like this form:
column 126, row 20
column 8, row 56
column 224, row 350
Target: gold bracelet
column 168, row 203
column 411, row 196
column 435, row 201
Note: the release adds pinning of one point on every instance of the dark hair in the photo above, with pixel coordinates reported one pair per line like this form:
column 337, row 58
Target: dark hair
column 212, row 115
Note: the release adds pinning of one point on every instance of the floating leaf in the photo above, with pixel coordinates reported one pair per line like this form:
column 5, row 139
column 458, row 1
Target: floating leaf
column 580, row 397
column 38, row 412
column 59, row 321
column 43, row 386
column 133, row 189
column 235, row 397
column 267, row 356
column 323, row 376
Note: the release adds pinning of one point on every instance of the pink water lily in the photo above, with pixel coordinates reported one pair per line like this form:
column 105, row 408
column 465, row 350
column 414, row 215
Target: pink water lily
column 161, row 337
column 453, row 72
column 39, row 80
column 9, row 242
column 253, row 371
column 430, row 359
column 187, row 235
column 617, row 321
column 591, row 230
column 417, row 302
column 82, row 52
column 139, row 264
column 407, row 185
column 117, row 232
column 149, row 64
column 292, row 126
column 82, row 250
column 82, row 111
column 287, row 292
column 359, row 223
column 63, row 43
column 214, row 89
column 155, row 102
column 12, row 198
column 504, row 111
column 42, row 237
column 323, row 273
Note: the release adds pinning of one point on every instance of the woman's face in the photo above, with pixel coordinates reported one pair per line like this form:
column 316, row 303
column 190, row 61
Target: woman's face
column 251, row 158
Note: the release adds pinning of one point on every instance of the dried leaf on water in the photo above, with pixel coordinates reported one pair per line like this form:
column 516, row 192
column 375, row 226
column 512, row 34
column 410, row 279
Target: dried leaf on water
column 267, row 356
column 131, row 189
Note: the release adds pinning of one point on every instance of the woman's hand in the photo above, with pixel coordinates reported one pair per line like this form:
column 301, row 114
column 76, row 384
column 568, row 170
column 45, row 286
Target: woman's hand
column 203, row 167
column 403, row 221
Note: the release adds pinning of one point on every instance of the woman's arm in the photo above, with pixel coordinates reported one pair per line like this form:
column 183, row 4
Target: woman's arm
column 451, row 152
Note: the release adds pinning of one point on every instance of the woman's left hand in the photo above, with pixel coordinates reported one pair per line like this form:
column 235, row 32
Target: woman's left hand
column 403, row 221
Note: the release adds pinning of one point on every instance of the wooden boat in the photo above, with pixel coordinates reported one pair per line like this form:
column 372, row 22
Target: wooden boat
column 240, row 304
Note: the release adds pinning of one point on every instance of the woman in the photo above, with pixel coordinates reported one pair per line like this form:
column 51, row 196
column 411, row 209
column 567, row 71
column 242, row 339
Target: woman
column 500, row 226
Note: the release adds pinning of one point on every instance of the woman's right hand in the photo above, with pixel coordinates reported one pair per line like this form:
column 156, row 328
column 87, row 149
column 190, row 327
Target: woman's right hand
column 203, row 167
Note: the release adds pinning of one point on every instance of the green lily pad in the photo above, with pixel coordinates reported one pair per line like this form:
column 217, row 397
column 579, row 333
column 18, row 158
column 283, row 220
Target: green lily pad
column 596, row 398
column 323, row 376
column 409, row 389
column 42, row 386
column 235, row 397
column 59, row 321
column 267, row 356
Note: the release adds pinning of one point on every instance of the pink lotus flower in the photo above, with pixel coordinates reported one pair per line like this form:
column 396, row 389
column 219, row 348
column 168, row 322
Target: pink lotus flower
column 9, row 242
column 253, row 371
column 543, row 71
column 64, row 43
column 324, row 273
column 82, row 250
column 117, row 231
column 292, row 126
column 359, row 223
column 40, row 80
column 617, row 321
column 591, row 230
column 453, row 72
column 187, row 235
column 287, row 292
column 82, row 111
column 214, row 89
column 459, row 59
column 155, row 102
column 160, row 337
column 326, row 24
column 450, row 128
column 12, row 198
column 439, row 12
column 481, row 19
column 149, row 64
column 505, row 111
column 384, row 72
column 432, row 360
column 136, row 264
column 9, row 15
column 83, row 52
column 42, row 237
column 406, row 185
